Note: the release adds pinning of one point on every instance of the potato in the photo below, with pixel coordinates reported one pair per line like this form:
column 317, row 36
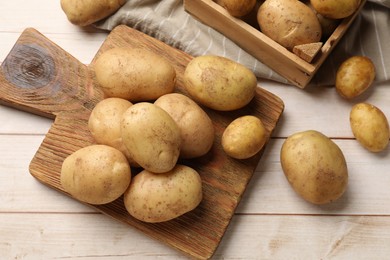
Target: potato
column 370, row 127
column 244, row 137
column 96, row 174
column 335, row 9
column 237, row 8
column 354, row 76
column 289, row 22
column 151, row 136
column 314, row 166
column 86, row 12
column 219, row 83
column 155, row 197
column 328, row 25
column 196, row 127
column 134, row 74
column 105, row 124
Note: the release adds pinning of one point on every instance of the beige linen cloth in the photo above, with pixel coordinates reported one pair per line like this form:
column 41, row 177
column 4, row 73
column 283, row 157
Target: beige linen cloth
column 166, row 20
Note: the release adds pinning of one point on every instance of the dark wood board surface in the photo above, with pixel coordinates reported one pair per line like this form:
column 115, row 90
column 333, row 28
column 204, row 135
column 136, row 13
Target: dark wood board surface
column 41, row 78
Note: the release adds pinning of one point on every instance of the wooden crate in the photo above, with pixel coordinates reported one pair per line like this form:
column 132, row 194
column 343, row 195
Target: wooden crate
column 287, row 64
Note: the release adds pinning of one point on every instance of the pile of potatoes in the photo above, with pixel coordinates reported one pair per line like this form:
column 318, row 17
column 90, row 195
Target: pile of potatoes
column 299, row 26
column 143, row 124
column 313, row 164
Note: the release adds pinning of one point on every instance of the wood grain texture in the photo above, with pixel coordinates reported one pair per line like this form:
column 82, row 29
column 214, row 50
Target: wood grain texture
column 57, row 85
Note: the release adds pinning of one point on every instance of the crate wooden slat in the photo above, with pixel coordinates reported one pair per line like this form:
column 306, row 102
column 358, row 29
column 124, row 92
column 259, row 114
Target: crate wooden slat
column 296, row 70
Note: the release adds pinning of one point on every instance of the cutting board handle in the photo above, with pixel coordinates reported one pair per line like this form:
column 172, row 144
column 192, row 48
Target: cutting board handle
column 39, row 77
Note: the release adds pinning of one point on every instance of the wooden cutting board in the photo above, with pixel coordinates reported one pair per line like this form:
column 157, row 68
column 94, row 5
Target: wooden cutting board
column 41, row 78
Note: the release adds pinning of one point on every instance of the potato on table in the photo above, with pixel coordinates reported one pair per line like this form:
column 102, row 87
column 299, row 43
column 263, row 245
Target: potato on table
column 86, row 12
column 314, row 166
column 354, row 76
column 370, row 127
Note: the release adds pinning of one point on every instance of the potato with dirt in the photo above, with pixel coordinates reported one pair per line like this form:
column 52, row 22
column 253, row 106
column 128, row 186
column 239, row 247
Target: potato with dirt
column 289, row 22
column 314, row 166
column 370, row 126
column 335, row 9
column 244, row 137
column 354, row 76
column 219, row 83
column 104, row 123
column 238, row 8
column 196, row 128
column 96, row 174
column 86, row 12
column 161, row 197
column 151, row 136
column 134, row 74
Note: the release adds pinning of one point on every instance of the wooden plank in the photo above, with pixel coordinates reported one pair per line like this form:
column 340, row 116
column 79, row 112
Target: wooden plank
column 54, row 84
column 86, row 236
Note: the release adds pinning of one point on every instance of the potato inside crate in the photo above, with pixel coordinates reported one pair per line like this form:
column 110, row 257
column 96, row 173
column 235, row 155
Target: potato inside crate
column 245, row 32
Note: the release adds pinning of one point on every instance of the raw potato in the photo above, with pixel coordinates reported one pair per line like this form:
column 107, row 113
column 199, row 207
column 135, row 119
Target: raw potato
column 105, row 124
column 196, row 127
column 370, row 127
column 161, row 197
column 328, row 25
column 134, row 74
column 86, row 12
column 244, row 137
column 289, row 22
column 354, row 76
column 314, row 166
column 219, row 83
column 151, row 136
column 335, row 9
column 238, row 8
column 96, row 174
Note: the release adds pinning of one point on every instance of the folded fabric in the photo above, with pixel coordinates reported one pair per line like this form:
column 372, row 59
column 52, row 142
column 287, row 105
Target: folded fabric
column 166, row 20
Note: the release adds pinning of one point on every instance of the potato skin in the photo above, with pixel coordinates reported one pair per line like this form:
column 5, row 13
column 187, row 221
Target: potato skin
column 151, row 136
column 96, row 174
column 86, row 12
column 134, row 74
column 196, row 128
column 314, row 166
column 335, row 9
column 237, row 8
column 370, row 127
column 289, row 22
column 244, row 137
column 105, row 124
column 219, row 83
column 354, row 76
column 161, row 197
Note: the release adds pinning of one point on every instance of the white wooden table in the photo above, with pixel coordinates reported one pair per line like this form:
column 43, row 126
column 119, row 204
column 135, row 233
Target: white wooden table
column 271, row 222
